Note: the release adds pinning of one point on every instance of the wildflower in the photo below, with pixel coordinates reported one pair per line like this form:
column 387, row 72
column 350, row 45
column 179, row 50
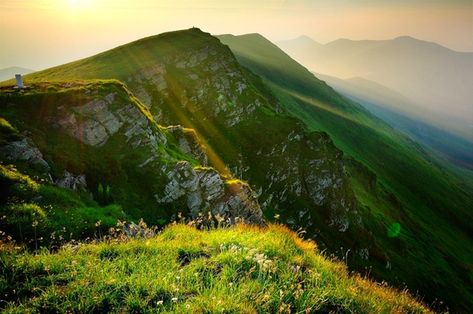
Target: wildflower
column 174, row 299
column 160, row 302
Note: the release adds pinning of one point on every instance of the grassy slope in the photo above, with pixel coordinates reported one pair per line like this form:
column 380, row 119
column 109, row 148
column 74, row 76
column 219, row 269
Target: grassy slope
column 138, row 54
column 39, row 214
column 183, row 270
column 435, row 243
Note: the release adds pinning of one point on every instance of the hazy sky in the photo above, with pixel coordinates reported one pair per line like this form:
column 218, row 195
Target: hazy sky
column 42, row 33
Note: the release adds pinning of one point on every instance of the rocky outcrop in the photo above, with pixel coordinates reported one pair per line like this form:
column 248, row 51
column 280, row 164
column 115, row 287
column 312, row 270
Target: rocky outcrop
column 313, row 171
column 189, row 143
column 92, row 123
column 204, row 191
column 98, row 120
column 72, row 182
column 108, row 131
column 24, row 150
column 212, row 75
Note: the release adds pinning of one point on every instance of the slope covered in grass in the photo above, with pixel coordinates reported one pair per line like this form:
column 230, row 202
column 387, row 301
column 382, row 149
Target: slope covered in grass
column 39, row 214
column 183, row 270
column 395, row 181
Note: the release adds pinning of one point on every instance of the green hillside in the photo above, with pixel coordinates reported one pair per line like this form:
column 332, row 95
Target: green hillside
column 402, row 114
column 430, row 204
column 190, row 78
column 183, row 270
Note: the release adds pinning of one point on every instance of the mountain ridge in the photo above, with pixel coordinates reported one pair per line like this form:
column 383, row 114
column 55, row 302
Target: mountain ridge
column 427, row 73
column 406, row 116
column 310, row 40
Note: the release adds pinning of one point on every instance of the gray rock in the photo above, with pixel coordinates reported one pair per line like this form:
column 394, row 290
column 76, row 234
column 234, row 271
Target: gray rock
column 203, row 189
column 69, row 181
column 189, row 143
column 24, row 150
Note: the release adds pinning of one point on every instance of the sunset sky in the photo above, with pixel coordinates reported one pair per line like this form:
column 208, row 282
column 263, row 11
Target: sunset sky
column 42, row 33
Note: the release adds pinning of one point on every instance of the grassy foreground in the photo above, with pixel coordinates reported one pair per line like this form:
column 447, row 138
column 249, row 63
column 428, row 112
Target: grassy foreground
column 241, row 269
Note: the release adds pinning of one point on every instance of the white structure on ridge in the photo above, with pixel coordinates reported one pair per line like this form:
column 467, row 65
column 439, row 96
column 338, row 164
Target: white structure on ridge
column 19, row 81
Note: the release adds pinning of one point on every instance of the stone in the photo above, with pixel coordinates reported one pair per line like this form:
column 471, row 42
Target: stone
column 69, row 181
column 203, row 189
column 24, row 150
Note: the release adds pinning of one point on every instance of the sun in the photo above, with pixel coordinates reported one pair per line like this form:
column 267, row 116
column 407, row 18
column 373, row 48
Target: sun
column 80, row 4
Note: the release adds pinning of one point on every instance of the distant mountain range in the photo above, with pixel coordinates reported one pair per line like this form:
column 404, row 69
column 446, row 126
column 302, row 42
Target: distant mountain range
column 8, row 73
column 401, row 113
column 437, row 79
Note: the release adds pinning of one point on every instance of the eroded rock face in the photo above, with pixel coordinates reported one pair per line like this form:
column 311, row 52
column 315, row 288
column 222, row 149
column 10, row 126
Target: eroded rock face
column 189, row 143
column 212, row 75
column 201, row 189
column 304, row 167
column 241, row 205
column 98, row 120
column 95, row 122
column 24, row 150
column 204, row 190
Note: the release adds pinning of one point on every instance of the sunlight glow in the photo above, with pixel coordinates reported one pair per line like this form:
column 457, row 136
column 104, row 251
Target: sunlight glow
column 80, row 4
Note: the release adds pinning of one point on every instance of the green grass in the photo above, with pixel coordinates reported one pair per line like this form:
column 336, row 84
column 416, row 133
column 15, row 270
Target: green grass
column 183, row 270
column 41, row 214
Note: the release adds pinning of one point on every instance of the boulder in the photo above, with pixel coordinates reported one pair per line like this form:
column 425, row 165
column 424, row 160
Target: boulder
column 24, row 150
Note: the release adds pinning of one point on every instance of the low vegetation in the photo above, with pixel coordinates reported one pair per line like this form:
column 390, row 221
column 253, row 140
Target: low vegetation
column 241, row 269
column 37, row 213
